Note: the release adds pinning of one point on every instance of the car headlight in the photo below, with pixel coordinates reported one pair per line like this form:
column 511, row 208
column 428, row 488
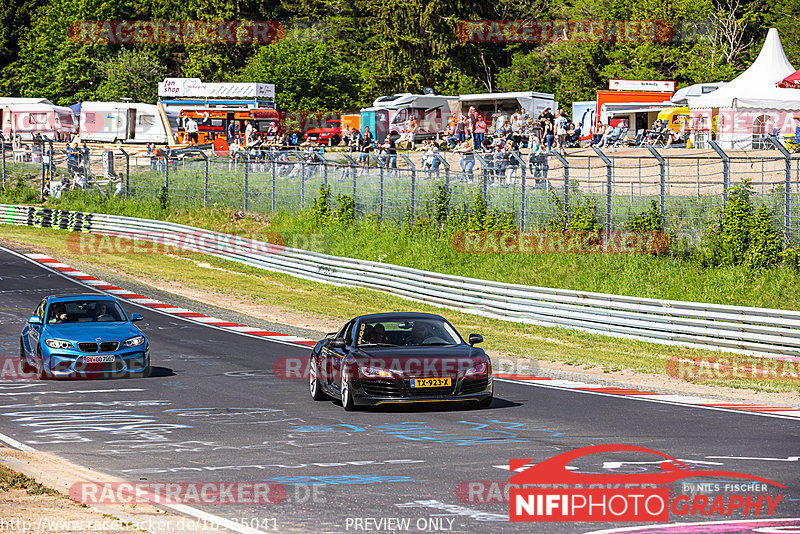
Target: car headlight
column 134, row 341
column 479, row 371
column 375, row 372
column 59, row 344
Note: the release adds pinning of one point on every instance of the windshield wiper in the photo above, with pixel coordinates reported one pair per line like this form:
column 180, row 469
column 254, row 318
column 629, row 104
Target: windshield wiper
column 377, row 345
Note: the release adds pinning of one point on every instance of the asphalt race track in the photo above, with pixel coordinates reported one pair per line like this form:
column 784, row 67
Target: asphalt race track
column 215, row 411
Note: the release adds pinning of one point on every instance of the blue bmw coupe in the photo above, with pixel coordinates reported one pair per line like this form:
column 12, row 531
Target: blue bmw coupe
column 83, row 336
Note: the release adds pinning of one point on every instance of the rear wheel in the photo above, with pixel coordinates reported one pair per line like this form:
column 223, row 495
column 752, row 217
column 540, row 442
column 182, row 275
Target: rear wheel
column 314, row 385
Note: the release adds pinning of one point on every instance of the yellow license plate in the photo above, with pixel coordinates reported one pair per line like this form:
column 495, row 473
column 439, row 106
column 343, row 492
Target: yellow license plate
column 430, row 382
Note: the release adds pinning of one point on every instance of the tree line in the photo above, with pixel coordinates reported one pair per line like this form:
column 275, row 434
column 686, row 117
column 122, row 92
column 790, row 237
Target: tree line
column 341, row 54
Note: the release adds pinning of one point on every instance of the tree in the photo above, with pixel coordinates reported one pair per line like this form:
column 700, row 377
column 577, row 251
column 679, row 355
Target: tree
column 307, row 76
column 130, row 74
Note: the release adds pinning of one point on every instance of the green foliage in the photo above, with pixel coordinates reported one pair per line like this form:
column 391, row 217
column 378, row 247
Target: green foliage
column 163, row 198
column 647, row 221
column 307, row 76
column 321, row 207
column 742, row 235
column 582, row 217
column 345, row 213
column 130, row 74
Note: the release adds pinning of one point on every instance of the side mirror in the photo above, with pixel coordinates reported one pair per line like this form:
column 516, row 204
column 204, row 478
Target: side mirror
column 331, row 334
column 338, row 343
column 474, row 339
column 34, row 319
column 136, row 317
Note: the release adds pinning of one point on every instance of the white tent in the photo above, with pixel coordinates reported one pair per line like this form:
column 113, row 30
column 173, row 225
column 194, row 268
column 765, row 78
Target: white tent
column 752, row 104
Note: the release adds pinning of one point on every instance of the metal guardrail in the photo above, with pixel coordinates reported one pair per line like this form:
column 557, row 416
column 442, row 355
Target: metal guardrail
column 760, row 331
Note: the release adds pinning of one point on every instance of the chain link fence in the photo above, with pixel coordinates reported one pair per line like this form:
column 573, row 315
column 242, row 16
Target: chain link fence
column 687, row 186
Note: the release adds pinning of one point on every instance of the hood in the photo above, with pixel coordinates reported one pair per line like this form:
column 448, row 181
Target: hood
column 322, row 130
column 423, row 361
column 89, row 332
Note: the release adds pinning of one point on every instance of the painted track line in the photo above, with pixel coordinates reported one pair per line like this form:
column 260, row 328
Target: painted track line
column 706, row 403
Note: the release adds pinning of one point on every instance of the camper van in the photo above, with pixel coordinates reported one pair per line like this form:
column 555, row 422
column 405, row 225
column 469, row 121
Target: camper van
column 488, row 103
column 391, row 114
column 127, row 122
column 26, row 117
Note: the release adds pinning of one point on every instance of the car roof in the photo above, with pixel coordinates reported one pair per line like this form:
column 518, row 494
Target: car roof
column 80, row 296
column 392, row 316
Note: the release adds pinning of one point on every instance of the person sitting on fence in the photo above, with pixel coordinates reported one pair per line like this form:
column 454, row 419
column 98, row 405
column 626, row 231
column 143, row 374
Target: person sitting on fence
column 78, row 180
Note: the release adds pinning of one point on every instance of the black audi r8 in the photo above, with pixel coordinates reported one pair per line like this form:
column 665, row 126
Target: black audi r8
column 390, row 358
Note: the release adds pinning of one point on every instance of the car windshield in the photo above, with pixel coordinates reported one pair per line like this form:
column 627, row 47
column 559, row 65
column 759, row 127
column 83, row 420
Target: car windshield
column 84, row 311
column 411, row 332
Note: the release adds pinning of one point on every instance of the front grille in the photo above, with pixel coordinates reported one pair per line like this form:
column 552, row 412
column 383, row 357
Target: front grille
column 109, row 346
column 88, row 347
column 474, row 386
column 417, row 392
column 382, row 387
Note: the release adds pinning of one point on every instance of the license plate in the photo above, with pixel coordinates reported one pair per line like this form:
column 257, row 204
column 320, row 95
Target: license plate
column 430, row 382
column 99, row 359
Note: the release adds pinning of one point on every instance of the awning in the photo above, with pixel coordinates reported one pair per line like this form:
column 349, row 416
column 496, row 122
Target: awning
column 792, row 81
column 636, row 107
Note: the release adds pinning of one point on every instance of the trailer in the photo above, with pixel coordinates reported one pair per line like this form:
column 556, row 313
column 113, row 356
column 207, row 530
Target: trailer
column 26, row 118
column 488, row 103
column 127, row 122
column 391, row 114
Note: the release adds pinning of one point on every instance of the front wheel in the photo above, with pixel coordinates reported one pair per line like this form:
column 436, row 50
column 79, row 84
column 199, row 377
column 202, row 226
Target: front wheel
column 335, row 140
column 484, row 403
column 41, row 371
column 24, row 366
column 313, row 382
column 348, row 403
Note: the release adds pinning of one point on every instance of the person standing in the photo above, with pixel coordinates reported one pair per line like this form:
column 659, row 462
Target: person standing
column 547, row 133
column 467, row 159
column 191, row 130
column 561, row 130
column 479, row 132
column 248, row 133
column 391, row 151
column 412, row 131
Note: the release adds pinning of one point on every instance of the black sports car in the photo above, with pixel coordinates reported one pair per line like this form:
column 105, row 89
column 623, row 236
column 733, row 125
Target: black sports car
column 390, row 358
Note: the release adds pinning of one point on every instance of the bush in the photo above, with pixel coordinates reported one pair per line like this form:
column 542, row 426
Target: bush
column 649, row 220
column 742, row 235
column 583, row 217
column 321, row 207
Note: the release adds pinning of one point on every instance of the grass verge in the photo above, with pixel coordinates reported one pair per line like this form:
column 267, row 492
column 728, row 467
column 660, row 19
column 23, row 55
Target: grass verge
column 339, row 304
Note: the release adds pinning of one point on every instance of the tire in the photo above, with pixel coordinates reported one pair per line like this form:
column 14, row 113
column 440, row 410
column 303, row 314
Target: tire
column 24, row 366
column 335, row 140
column 41, row 372
column 314, row 385
column 348, row 403
column 484, row 403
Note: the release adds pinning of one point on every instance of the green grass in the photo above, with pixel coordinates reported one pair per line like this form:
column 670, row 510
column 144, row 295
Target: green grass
column 641, row 275
column 526, row 342
column 11, row 479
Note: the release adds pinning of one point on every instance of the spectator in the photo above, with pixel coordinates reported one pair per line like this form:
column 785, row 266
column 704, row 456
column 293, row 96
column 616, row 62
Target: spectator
column 391, row 152
column 510, row 152
column 547, row 134
column 597, row 136
column 461, row 128
column 367, row 142
column 346, row 135
column 610, row 136
column 412, row 131
column 467, row 158
column 191, row 130
column 232, row 131
column 233, row 155
column 248, row 133
column 479, row 132
column 151, row 153
column 451, row 136
column 574, row 135
column 119, row 186
column 561, row 130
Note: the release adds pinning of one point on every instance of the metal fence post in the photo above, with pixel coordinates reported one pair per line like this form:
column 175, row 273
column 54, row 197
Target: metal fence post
column 609, row 170
column 127, row 170
column 413, row 181
column 303, row 171
column 787, row 187
column 352, row 167
column 662, row 192
column 726, row 171
column 484, row 175
column 246, row 178
column 166, row 174
column 523, row 190
column 565, row 164
column 41, row 154
column 273, row 163
column 3, row 142
column 207, row 163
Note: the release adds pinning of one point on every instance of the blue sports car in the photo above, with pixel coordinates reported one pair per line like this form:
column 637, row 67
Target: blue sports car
column 83, row 336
